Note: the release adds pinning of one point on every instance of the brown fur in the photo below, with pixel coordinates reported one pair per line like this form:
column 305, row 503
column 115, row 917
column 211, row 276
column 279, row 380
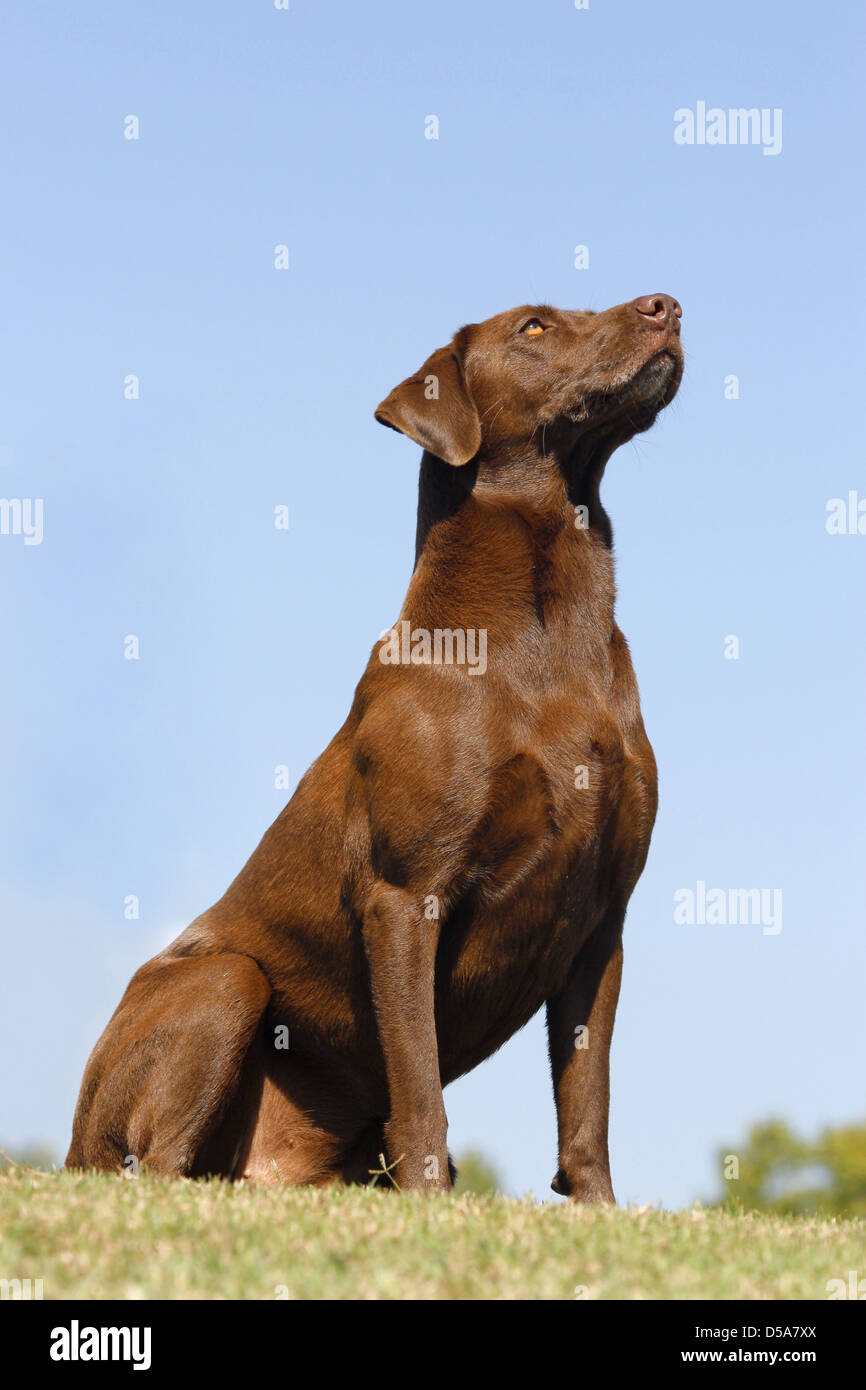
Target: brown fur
column 443, row 791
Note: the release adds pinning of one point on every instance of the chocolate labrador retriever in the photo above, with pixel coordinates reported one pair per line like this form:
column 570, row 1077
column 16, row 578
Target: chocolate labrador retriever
column 464, row 849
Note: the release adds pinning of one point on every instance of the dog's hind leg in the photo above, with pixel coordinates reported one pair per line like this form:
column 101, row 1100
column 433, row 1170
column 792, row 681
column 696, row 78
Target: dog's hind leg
column 169, row 1063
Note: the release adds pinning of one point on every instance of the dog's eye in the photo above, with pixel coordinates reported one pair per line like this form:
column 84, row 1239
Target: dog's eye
column 532, row 328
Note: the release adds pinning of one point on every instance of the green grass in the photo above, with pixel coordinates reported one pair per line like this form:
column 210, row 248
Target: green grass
column 96, row 1236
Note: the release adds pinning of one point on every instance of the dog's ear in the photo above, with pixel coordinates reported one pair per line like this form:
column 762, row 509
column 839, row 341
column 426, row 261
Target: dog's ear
column 434, row 408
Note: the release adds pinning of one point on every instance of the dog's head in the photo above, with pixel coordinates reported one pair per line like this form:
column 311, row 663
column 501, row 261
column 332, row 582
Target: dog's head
column 537, row 376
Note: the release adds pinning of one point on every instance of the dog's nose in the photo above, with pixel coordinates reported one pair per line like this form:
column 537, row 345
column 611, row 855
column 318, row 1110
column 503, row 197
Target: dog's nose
column 662, row 309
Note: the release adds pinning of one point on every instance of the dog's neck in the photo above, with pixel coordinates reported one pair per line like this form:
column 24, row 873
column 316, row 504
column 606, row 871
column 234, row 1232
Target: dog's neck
column 533, row 530
column 557, row 488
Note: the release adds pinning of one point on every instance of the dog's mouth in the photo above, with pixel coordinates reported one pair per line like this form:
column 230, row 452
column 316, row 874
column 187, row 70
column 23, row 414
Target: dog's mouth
column 635, row 399
column 657, row 381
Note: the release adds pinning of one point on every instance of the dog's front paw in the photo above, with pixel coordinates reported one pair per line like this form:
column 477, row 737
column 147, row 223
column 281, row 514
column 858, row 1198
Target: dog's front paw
column 591, row 1185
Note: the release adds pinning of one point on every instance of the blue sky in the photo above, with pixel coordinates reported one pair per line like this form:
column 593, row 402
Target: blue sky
column 155, row 257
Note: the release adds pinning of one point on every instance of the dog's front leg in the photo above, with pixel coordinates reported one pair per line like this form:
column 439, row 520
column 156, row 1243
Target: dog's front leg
column 401, row 943
column 580, row 1025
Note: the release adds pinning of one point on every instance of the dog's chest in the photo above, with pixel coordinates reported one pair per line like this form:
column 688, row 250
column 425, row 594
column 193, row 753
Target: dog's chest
column 576, row 798
column 565, row 833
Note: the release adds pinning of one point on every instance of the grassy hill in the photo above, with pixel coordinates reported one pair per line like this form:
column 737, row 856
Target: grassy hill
column 90, row 1236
